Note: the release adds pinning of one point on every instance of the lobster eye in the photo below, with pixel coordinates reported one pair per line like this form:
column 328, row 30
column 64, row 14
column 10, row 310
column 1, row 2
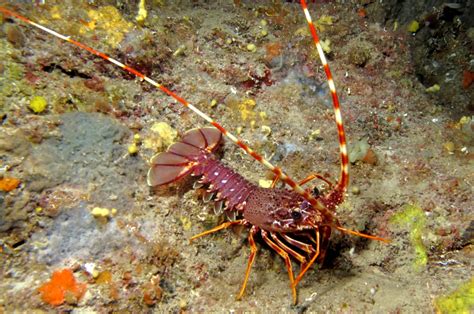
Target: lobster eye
column 296, row 215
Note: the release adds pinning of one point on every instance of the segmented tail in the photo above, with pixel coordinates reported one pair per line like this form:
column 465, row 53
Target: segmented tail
column 182, row 157
column 344, row 178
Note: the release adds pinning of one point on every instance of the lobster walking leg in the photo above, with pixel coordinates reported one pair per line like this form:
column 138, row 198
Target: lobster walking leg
column 300, row 245
column 253, row 251
column 362, row 235
column 313, row 259
column 275, row 181
column 225, row 225
column 286, row 257
column 325, row 236
column 287, row 249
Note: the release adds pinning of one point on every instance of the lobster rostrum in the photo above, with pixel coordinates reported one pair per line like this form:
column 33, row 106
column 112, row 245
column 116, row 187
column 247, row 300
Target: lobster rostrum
column 294, row 223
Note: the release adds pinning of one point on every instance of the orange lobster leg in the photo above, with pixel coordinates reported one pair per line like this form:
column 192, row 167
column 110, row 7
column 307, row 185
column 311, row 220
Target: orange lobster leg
column 300, row 245
column 253, row 251
column 286, row 257
column 274, row 182
column 220, row 227
column 363, row 235
column 307, row 266
column 287, row 249
column 305, row 180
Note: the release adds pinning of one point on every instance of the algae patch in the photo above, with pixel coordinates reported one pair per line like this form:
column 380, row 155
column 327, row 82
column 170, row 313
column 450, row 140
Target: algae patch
column 109, row 20
column 185, row 222
column 142, row 12
column 245, row 108
column 413, row 219
column 38, row 104
column 459, row 301
column 161, row 136
column 413, row 27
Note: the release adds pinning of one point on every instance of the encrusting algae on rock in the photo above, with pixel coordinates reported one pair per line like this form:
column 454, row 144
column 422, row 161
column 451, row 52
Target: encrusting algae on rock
column 413, row 27
column 162, row 135
column 459, row 301
column 109, row 20
column 433, row 89
column 142, row 12
column 413, row 218
column 133, row 148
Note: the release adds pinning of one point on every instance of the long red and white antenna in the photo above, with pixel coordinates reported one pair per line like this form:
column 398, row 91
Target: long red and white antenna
column 344, row 177
column 275, row 169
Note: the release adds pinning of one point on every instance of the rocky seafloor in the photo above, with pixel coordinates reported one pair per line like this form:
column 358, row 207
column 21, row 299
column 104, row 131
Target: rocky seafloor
column 80, row 230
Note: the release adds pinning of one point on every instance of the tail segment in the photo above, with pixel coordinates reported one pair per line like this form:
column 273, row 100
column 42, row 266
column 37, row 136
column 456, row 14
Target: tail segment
column 182, row 157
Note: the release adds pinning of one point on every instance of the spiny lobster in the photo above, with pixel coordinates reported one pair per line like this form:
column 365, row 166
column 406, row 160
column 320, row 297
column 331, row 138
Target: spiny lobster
column 294, row 223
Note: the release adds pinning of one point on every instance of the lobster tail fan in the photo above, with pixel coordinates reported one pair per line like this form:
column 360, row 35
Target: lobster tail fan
column 181, row 158
column 204, row 138
column 167, row 167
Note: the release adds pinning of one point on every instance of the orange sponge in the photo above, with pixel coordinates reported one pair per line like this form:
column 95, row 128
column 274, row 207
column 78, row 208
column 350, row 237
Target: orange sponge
column 8, row 184
column 62, row 284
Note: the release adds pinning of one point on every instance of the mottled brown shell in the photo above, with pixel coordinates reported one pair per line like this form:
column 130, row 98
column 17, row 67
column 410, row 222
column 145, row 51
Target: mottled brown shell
column 279, row 210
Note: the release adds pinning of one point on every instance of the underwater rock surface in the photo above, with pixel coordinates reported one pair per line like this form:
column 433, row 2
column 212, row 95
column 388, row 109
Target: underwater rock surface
column 77, row 134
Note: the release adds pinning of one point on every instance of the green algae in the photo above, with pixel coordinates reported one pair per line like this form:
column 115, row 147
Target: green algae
column 12, row 75
column 12, row 70
column 459, row 301
column 413, row 219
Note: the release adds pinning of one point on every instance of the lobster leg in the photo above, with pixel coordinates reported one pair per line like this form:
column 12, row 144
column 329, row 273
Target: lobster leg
column 360, row 234
column 301, row 245
column 275, row 181
column 253, row 251
column 315, row 176
column 287, row 249
column 225, row 225
column 326, row 235
column 286, row 257
column 307, row 266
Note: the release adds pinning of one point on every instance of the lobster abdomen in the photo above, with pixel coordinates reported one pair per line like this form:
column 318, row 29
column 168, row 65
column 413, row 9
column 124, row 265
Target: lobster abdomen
column 228, row 184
